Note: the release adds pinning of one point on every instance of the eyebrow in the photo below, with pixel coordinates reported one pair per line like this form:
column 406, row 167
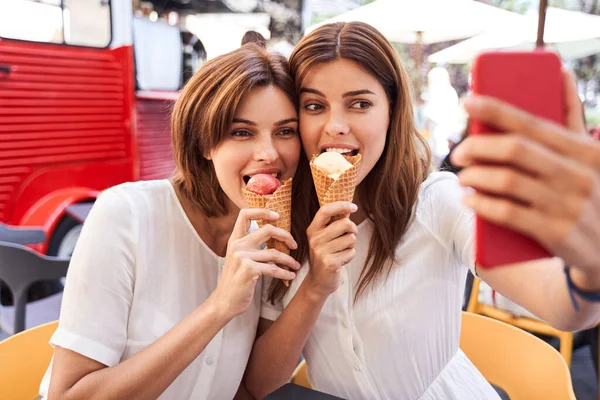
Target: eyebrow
column 347, row 94
column 285, row 121
column 313, row 91
column 357, row 92
column 252, row 123
column 243, row 121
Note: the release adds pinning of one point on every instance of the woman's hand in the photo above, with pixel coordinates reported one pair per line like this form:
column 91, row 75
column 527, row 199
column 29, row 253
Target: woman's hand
column 331, row 246
column 245, row 262
column 540, row 179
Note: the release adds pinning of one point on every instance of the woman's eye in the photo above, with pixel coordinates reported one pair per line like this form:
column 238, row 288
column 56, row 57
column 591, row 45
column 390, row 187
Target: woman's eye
column 287, row 132
column 313, row 107
column 240, row 134
column 361, row 105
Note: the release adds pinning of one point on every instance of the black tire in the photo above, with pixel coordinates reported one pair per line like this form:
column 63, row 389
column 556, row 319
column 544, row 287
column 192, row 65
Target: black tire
column 63, row 227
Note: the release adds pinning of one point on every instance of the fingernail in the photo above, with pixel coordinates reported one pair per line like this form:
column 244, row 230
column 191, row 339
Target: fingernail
column 456, row 153
column 468, row 190
column 295, row 245
column 468, row 200
column 274, row 214
column 472, row 103
column 353, row 207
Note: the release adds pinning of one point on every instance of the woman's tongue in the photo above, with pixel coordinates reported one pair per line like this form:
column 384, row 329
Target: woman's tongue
column 263, row 184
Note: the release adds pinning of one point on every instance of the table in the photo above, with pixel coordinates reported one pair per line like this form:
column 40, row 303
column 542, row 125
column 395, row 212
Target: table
column 289, row 391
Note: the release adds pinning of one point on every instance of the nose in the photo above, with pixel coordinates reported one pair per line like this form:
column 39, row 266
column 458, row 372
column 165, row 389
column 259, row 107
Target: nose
column 265, row 151
column 336, row 126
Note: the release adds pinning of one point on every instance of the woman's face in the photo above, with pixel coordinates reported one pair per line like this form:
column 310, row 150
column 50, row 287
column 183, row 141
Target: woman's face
column 345, row 109
column 263, row 139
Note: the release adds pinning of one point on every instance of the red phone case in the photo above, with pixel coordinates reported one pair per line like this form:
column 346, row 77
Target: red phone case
column 531, row 81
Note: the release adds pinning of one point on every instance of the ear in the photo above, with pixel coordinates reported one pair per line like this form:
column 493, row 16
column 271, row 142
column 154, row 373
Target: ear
column 208, row 156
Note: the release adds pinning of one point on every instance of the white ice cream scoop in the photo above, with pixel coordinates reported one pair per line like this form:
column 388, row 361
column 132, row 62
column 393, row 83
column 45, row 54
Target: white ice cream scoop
column 332, row 163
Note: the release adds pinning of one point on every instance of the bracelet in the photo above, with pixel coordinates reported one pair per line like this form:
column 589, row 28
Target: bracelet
column 589, row 296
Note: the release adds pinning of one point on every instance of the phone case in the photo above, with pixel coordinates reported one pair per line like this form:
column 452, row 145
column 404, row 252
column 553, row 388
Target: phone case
column 532, row 81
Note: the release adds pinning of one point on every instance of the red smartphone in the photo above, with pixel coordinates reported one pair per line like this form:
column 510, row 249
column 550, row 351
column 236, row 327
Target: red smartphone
column 533, row 82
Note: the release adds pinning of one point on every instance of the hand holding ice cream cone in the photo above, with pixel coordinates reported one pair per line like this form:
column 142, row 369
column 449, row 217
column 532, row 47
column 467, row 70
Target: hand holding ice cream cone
column 266, row 191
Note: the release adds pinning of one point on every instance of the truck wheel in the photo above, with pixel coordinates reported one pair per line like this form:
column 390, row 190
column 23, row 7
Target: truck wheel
column 64, row 238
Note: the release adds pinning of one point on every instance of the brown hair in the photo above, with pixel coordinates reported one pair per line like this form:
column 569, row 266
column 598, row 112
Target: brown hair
column 389, row 192
column 254, row 37
column 203, row 114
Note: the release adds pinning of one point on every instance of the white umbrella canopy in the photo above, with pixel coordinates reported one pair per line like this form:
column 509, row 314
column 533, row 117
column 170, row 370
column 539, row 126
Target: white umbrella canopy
column 427, row 21
column 572, row 34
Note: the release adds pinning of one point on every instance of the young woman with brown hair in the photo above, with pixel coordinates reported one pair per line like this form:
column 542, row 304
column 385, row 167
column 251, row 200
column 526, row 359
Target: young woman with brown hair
column 377, row 311
column 162, row 298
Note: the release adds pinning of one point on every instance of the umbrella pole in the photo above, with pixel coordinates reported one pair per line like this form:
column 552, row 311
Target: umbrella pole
column 539, row 43
column 418, row 62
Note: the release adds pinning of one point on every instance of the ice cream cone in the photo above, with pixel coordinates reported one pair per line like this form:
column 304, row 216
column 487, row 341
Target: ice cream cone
column 281, row 202
column 342, row 189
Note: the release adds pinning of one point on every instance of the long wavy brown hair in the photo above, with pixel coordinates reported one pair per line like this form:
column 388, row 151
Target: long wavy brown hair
column 388, row 193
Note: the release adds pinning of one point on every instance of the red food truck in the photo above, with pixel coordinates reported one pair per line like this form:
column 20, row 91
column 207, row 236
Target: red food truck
column 85, row 93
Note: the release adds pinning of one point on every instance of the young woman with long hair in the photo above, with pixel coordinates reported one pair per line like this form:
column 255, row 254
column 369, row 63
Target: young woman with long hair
column 376, row 312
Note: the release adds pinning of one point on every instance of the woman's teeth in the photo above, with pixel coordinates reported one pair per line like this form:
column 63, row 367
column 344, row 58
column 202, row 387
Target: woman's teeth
column 341, row 151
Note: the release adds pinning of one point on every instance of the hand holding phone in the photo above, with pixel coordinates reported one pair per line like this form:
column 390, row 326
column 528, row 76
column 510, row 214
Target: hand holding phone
column 531, row 81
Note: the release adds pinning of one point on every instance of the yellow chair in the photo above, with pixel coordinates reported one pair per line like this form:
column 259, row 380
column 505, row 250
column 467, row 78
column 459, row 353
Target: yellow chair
column 522, row 365
column 300, row 376
column 528, row 324
column 24, row 358
column 519, row 363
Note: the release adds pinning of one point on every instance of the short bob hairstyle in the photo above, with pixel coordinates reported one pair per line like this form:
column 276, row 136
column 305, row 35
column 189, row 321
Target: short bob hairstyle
column 203, row 114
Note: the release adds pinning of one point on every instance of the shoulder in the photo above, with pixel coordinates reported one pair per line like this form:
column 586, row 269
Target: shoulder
column 440, row 186
column 132, row 197
column 440, row 204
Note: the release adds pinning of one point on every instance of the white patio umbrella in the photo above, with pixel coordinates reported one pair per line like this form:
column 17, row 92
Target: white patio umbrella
column 427, row 21
column 572, row 34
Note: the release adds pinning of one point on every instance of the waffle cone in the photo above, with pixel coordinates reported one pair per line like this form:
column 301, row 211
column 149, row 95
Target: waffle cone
column 331, row 190
column 281, row 202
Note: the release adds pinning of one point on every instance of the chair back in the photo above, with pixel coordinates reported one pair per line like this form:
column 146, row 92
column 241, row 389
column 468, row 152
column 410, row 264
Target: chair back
column 20, row 267
column 24, row 360
column 519, row 363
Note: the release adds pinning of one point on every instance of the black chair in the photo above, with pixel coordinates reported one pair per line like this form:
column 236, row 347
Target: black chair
column 13, row 234
column 20, row 267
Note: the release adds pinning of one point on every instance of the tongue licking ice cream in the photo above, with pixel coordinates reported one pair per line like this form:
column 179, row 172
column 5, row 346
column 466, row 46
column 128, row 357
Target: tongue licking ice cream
column 266, row 191
column 263, row 184
column 332, row 163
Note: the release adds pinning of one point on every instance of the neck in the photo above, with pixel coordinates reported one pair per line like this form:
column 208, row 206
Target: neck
column 214, row 231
